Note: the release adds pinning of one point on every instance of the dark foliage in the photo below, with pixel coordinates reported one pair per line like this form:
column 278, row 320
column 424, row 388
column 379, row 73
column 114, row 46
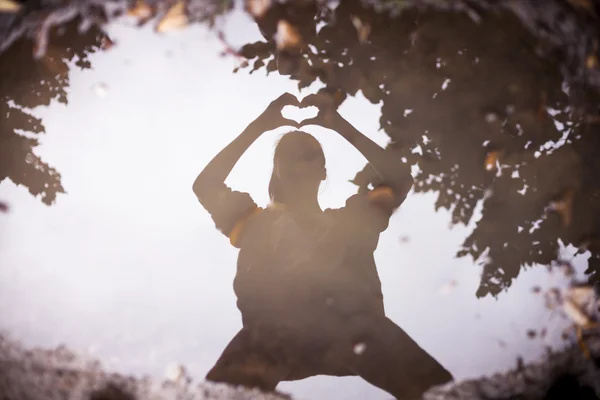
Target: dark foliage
column 32, row 83
column 467, row 94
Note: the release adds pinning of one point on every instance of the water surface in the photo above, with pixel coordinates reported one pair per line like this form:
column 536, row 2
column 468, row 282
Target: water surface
column 128, row 266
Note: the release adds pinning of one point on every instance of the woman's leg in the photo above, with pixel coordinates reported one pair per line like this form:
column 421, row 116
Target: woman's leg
column 385, row 356
column 248, row 361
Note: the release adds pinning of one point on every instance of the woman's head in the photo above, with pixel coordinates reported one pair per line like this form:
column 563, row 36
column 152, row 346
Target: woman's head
column 298, row 164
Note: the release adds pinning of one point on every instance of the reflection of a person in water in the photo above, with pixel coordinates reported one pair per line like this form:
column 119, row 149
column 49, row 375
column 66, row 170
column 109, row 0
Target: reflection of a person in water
column 306, row 283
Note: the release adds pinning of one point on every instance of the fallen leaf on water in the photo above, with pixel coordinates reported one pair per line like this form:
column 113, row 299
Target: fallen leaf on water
column 142, row 11
column 9, row 6
column 564, row 206
column 287, row 37
column 575, row 313
column 257, row 8
column 531, row 334
column 543, row 332
column 3, row 207
column 491, row 160
column 536, row 289
column 581, row 295
column 362, row 28
column 175, row 18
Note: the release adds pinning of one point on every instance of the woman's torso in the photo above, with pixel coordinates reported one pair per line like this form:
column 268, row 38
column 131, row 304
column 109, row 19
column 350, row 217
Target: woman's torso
column 290, row 263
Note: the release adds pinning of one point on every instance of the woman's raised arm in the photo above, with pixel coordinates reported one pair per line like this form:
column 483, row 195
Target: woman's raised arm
column 391, row 169
column 213, row 176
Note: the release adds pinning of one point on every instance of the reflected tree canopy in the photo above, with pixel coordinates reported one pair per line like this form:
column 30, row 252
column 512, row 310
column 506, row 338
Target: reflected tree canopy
column 33, row 83
column 481, row 109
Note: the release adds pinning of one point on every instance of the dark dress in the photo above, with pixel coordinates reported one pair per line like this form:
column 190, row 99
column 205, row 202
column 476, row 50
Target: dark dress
column 310, row 296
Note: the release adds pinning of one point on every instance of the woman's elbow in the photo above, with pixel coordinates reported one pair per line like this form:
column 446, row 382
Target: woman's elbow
column 399, row 174
column 402, row 185
column 199, row 188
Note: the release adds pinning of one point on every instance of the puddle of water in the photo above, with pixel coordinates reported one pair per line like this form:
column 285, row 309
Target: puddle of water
column 128, row 266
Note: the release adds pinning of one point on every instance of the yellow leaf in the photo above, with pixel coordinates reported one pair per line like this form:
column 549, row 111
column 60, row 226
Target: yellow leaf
column 175, row 18
column 491, row 160
column 257, row 8
column 591, row 61
column 362, row 28
column 287, row 37
column 581, row 296
column 141, row 10
column 575, row 313
column 9, row 6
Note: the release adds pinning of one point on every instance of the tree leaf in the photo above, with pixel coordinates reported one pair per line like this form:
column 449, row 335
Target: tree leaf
column 9, row 6
column 175, row 18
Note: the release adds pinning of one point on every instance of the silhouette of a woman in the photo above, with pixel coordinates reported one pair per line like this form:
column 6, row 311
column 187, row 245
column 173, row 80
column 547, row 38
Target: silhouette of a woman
column 306, row 282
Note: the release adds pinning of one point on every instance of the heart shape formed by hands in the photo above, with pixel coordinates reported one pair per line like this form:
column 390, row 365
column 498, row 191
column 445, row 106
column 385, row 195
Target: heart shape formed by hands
column 325, row 105
column 273, row 118
column 299, row 114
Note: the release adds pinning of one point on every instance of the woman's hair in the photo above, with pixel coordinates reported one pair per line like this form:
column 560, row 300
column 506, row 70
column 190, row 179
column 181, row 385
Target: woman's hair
column 291, row 148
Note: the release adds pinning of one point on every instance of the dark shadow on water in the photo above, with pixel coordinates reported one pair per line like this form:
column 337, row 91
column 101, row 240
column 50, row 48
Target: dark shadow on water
column 111, row 392
column 568, row 387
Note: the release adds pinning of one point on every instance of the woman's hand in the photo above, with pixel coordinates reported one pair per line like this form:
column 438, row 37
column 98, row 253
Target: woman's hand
column 327, row 117
column 386, row 163
column 271, row 118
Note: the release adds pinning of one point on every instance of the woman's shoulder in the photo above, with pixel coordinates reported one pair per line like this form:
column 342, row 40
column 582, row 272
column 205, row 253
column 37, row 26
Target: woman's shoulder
column 366, row 211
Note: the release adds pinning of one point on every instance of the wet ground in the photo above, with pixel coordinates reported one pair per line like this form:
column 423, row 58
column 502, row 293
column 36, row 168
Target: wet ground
column 105, row 248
